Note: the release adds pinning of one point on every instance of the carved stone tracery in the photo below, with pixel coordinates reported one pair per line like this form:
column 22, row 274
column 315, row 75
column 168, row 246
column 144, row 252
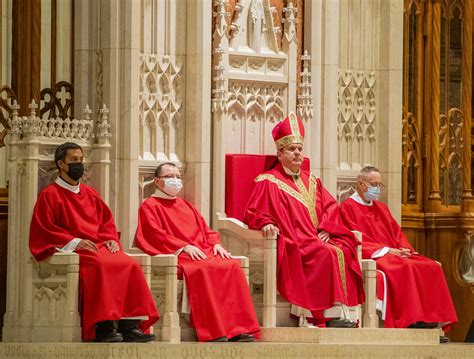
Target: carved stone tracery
column 356, row 119
column 161, row 107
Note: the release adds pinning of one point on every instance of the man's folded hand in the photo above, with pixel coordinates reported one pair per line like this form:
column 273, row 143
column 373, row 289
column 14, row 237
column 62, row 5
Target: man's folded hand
column 194, row 252
column 87, row 245
column 218, row 249
column 112, row 246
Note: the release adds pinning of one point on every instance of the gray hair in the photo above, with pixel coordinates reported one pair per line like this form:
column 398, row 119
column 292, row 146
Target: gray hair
column 365, row 171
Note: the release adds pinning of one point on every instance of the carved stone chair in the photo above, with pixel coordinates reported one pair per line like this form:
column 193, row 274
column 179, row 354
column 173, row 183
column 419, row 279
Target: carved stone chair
column 241, row 171
column 43, row 297
column 166, row 288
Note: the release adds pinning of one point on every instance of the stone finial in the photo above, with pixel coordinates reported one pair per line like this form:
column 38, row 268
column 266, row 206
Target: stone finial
column 33, row 106
column 103, row 127
column 87, row 112
column 305, row 99
column 290, row 21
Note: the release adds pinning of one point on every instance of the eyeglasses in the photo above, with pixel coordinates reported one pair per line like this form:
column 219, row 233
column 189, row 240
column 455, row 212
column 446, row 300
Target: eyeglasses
column 379, row 185
column 170, row 176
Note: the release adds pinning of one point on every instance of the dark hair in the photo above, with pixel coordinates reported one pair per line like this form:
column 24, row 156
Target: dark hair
column 160, row 167
column 61, row 151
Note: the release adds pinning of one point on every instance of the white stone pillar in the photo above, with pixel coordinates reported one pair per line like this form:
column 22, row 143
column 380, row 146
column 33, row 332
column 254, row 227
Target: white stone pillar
column 321, row 30
column 120, row 43
column 198, row 105
column 389, row 106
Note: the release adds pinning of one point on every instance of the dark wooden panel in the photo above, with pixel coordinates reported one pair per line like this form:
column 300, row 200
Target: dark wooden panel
column 440, row 237
column 3, row 253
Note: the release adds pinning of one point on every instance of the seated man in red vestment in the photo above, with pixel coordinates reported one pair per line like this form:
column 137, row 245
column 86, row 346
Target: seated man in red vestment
column 221, row 307
column 115, row 301
column 416, row 291
column 317, row 259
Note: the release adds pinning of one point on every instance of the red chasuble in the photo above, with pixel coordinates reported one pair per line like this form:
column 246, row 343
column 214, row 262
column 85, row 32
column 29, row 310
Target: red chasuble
column 312, row 274
column 112, row 285
column 218, row 293
column 416, row 286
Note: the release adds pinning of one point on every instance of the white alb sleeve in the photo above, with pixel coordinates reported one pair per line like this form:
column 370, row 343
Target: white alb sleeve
column 70, row 246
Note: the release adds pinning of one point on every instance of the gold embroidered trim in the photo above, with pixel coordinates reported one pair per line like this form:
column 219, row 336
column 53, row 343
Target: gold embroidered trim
column 342, row 268
column 309, row 196
column 283, row 186
column 308, row 199
column 295, row 129
column 288, row 140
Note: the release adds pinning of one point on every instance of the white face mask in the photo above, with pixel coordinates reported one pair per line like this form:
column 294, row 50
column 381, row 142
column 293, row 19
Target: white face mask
column 173, row 186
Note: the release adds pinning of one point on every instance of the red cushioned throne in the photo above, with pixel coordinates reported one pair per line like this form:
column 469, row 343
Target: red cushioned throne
column 240, row 173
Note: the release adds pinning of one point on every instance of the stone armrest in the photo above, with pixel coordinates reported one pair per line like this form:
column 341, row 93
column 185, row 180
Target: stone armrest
column 241, row 230
column 63, row 259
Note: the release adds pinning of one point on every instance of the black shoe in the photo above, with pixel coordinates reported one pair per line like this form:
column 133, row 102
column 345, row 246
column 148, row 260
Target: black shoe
column 444, row 339
column 135, row 335
column 219, row 339
column 242, row 338
column 340, row 323
column 111, row 337
column 106, row 332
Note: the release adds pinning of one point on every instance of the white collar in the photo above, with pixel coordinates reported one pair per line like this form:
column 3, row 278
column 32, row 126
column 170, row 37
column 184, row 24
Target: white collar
column 356, row 197
column 160, row 194
column 290, row 172
column 62, row 183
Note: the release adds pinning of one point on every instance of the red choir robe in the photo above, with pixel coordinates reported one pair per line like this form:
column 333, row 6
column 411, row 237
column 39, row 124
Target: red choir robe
column 416, row 287
column 218, row 293
column 112, row 285
column 312, row 274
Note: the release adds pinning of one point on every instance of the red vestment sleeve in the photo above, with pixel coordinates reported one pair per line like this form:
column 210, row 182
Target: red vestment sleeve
column 400, row 237
column 45, row 234
column 107, row 229
column 350, row 217
column 260, row 205
column 151, row 238
column 212, row 237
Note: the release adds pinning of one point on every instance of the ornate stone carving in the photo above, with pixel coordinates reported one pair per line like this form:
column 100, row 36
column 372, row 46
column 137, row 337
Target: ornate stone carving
column 356, row 118
column 161, row 107
column 290, row 21
column 102, row 127
column 345, row 189
column 305, row 100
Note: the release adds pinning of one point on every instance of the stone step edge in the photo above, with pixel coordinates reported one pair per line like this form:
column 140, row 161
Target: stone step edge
column 351, row 336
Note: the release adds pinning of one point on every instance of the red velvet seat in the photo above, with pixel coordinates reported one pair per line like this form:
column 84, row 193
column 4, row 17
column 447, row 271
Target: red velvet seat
column 240, row 172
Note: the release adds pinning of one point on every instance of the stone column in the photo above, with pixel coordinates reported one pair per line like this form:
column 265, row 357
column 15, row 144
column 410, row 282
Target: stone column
column 322, row 41
column 120, row 44
column 198, row 105
column 389, row 70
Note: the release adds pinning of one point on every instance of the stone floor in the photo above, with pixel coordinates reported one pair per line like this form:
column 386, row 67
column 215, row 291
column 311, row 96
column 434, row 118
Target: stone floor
column 275, row 343
column 231, row 350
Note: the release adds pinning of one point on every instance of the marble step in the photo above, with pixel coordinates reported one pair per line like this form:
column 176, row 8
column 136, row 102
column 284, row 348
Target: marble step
column 352, row 336
column 230, row 350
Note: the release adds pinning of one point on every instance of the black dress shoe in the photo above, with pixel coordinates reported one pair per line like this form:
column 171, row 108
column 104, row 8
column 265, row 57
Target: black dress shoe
column 340, row 323
column 111, row 337
column 242, row 338
column 444, row 339
column 135, row 335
